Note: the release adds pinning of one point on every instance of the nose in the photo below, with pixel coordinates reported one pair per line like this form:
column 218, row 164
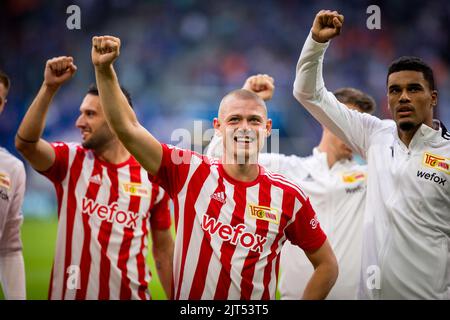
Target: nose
column 404, row 97
column 245, row 125
column 80, row 123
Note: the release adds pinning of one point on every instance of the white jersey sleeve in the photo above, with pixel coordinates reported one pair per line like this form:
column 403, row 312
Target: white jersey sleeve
column 353, row 127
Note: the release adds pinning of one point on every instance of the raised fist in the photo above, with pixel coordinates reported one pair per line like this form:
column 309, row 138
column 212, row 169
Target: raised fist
column 326, row 25
column 105, row 50
column 262, row 85
column 58, row 70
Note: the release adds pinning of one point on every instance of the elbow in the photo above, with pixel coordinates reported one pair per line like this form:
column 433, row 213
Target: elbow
column 333, row 269
column 301, row 93
column 24, row 148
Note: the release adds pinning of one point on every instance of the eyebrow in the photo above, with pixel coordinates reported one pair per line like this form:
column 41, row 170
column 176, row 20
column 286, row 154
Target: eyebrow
column 409, row 85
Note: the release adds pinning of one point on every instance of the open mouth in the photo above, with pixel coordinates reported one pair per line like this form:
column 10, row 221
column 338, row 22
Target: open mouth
column 244, row 139
column 404, row 111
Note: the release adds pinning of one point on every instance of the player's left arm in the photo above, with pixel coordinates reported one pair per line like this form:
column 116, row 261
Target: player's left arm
column 163, row 247
column 325, row 272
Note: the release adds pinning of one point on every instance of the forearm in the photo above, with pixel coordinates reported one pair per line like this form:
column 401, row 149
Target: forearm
column 12, row 275
column 118, row 112
column 28, row 140
column 164, row 265
column 308, row 78
column 33, row 123
column 321, row 282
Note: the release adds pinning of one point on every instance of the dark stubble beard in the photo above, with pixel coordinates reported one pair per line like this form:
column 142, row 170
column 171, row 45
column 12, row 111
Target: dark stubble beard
column 99, row 139
column 407, row 126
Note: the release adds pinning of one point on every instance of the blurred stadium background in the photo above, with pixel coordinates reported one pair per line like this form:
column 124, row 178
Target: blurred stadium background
column 179, row 57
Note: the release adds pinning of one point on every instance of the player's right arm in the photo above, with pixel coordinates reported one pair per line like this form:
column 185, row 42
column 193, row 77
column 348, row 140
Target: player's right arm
column 353, row 127
column 28, row 141
column 119, row 114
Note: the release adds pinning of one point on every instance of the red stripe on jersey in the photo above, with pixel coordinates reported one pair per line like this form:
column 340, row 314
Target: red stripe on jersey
column 85, row 263
column 287, row 205
column 124, row 253
column 140, row 257
column 103, row 238
column 262, row 228
column 206, row 250
column 279, row 178
column 227, row 249
column 193, row 190
column 75, row 171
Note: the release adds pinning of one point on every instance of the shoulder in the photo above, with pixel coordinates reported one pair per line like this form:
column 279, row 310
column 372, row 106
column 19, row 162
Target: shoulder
column 10, row 163
column 286, row 184
column 185, row 156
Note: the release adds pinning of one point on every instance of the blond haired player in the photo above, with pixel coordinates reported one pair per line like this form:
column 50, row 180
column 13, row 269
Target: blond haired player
column 336, row 184
column 232, row 216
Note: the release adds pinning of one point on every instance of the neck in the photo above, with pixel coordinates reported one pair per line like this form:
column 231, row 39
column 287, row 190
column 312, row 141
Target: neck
column 242, row 172
column 407, row 135
column 332, row 158
column 113, row 152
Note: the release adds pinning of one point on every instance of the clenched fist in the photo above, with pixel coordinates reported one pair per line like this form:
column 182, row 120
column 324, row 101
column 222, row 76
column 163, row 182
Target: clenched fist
column 105, row 50
column 58, row 70
column 262, row 85
column 326, row 25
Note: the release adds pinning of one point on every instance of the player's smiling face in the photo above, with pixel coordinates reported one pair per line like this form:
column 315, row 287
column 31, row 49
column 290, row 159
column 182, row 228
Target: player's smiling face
column 244, row 127
column 94, row 129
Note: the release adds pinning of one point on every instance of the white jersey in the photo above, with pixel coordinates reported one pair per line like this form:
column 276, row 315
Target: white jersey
column 12, row 190
column 337, row 195
column 406, row 246
column 229, row 232
column 104, row 216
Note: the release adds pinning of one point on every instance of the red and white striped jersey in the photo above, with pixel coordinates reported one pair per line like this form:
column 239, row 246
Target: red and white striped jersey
column 229, row 232
column 104, row 213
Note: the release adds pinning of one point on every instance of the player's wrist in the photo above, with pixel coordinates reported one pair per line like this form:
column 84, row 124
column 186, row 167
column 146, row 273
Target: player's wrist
column 50, row 87
column 104, row 69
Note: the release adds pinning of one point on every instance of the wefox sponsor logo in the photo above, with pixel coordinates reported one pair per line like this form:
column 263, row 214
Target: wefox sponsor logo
column 432, row 177
column 234, row 235
column 109, row 213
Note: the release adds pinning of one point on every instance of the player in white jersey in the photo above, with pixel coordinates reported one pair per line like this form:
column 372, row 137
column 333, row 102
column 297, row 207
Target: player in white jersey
column 336, row 185
column 12, row 190
column 406, row 246
column 232, row 217
column 106, row 204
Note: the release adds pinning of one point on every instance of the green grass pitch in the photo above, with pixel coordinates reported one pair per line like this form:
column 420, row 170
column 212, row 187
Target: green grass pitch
column 38, row 237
